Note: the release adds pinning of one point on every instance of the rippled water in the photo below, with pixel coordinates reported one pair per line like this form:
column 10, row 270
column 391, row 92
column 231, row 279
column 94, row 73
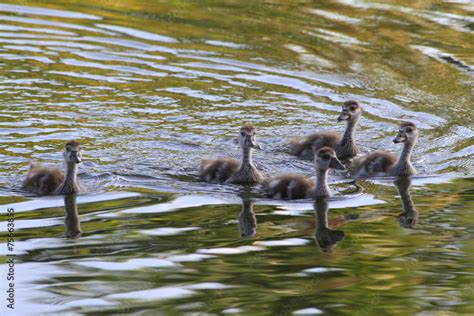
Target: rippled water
column 150, row 88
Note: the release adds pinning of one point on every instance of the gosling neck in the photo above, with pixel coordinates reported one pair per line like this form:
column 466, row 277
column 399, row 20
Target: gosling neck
column 247, row 172
column 321, row 189
column 246, row 160
column 69, row 185
column 348, row 137
column 71, row 173
column 403, row 165
column 347, row 147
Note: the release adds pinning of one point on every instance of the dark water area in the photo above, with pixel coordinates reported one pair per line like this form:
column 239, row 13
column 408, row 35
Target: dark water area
column 152, row 87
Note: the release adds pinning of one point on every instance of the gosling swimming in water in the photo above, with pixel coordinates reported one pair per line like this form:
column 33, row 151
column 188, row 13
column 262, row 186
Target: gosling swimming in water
column 344, row 146
column 385, row 164
column 293, row 186
column 230, row 170
column 46, row 181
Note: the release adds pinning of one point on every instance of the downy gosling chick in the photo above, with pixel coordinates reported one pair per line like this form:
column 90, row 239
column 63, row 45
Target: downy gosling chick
column 379, row 164
column 230, row 170
column 46, row 181
column 344, row 146
column 293, row 186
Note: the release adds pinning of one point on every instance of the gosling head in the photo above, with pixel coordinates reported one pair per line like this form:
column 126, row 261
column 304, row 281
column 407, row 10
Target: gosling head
column 407, row 133
column 72, row 152
column 248, row 138
column 351, row 111
column 325, row 158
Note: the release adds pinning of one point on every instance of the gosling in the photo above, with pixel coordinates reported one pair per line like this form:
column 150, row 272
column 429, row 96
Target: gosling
column 344, row 146
column 379, row 164
column 228, row 170
column 48, row 181
column 294, row 187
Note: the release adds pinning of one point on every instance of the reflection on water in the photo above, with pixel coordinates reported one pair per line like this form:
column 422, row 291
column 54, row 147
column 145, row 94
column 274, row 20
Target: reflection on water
column 151, row 89
column 72, row 223
column 409, row 216
column 247, row 219
column 325, row 237
column 185, row 256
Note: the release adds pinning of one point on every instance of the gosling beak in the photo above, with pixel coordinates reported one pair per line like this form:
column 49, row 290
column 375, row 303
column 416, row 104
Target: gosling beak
column 75, row 157
column 336, row 164
column 255, row 145
column 252, row 144
column 401, row 138
column 344, row 116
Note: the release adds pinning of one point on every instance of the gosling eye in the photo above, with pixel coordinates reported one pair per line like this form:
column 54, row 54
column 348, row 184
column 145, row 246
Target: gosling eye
column 242, row 133
column 325, row 156
column 68, row 148
column 353, row 107
column 408, row 130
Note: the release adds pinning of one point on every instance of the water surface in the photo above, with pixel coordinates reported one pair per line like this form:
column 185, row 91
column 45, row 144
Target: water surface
column 152, row 87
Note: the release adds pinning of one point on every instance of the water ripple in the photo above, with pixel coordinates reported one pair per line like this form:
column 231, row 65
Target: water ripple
column 48, row 12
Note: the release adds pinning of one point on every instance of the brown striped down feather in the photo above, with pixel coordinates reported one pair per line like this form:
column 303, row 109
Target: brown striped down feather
column 42, row 180
column 374, row 164
column 289, row 187
column 219, row 170
column 307, row 147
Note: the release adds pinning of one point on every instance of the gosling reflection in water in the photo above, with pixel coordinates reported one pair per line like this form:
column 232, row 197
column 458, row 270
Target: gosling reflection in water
column 72, row 223
column 247, row 219
column 409, row 217
column 325, row 237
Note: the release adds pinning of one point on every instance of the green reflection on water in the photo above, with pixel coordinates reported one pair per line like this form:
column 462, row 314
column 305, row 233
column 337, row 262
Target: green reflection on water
column 379, row 267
